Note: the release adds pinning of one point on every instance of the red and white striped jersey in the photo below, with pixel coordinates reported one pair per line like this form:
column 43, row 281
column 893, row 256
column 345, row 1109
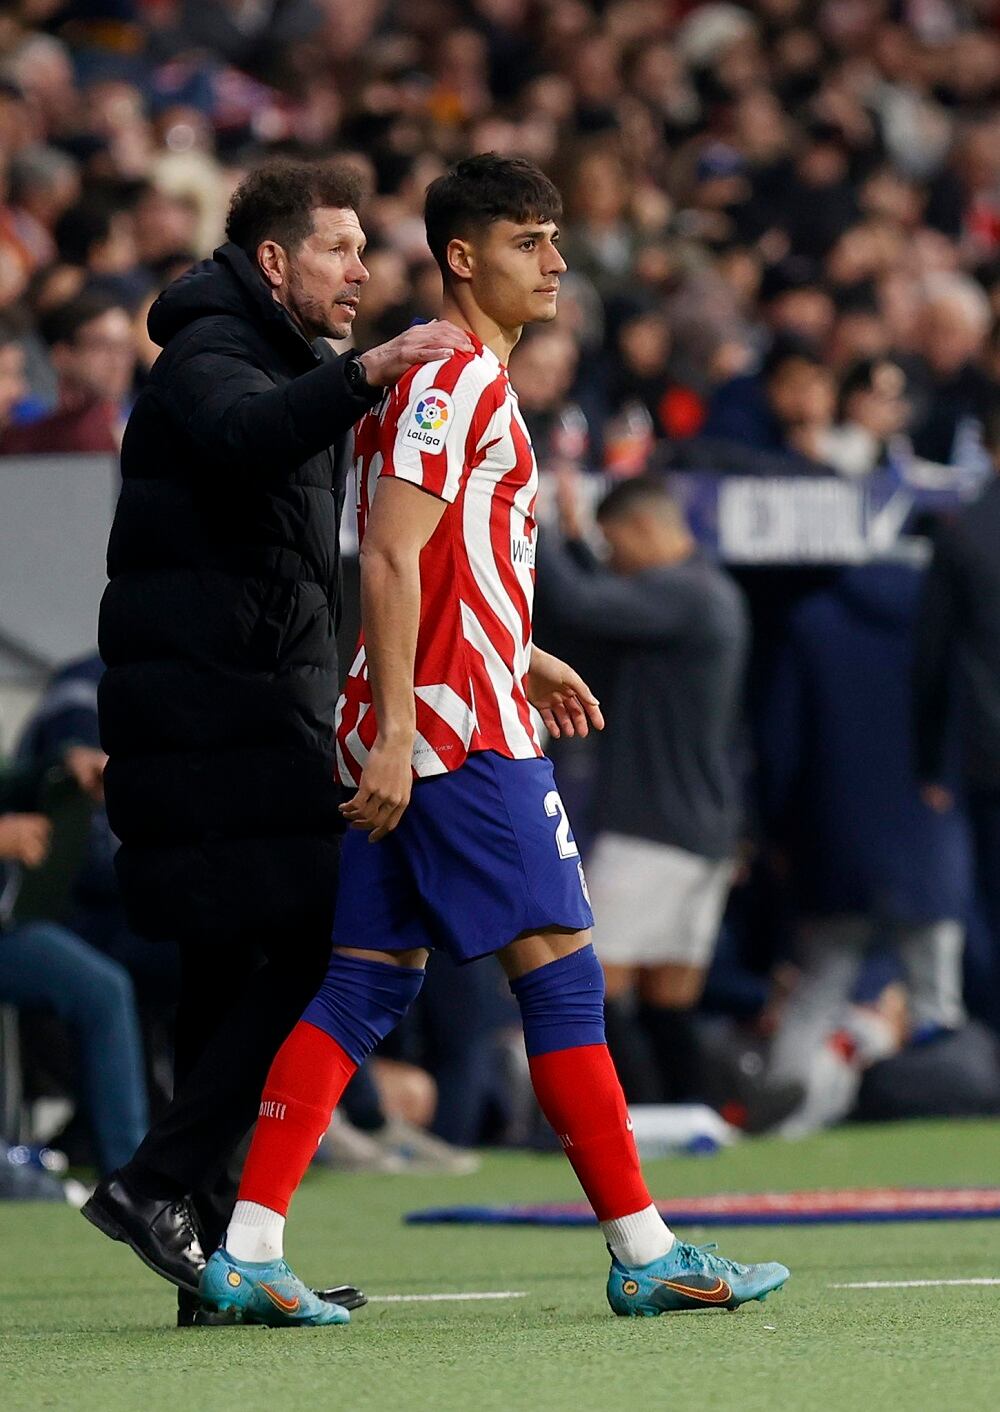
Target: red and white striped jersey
column 454, row 428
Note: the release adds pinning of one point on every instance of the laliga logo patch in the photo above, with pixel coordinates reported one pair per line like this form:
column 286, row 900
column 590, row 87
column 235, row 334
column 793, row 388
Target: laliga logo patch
column 430, row 421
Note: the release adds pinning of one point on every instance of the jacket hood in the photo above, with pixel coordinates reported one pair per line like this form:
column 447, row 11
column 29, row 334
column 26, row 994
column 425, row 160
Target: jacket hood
column 883, row 594
column 225, row 284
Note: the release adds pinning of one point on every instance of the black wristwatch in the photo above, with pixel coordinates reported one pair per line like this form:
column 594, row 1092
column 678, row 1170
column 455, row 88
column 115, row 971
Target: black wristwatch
column 357, row 381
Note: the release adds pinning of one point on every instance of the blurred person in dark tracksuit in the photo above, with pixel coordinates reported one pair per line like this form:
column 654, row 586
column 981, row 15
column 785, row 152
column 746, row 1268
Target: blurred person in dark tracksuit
column 674, row 632
column 957, row 673
column 869, row 860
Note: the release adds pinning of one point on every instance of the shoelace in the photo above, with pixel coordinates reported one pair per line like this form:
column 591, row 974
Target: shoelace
column 718, row 1264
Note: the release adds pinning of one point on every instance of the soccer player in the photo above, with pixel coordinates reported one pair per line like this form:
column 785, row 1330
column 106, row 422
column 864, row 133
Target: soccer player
column 460, row 839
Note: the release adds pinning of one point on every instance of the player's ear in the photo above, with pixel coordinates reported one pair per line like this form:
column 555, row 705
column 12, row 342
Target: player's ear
column 273, row 262
column 460, row 259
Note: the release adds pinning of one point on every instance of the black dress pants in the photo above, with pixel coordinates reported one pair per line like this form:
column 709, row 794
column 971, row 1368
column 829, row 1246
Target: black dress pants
column 238, row 1002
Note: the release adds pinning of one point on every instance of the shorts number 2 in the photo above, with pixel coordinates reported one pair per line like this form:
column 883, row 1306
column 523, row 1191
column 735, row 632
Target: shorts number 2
column 565, row 841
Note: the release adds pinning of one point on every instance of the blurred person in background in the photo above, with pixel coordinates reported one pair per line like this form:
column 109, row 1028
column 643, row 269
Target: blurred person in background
column 957, row 678
column 869, row 860
column 952, row 394
column 784, row 413
column 98, row 236
column 13, row 382
column 797, row 313
column 861, row 330
column 66, row 719
column 44, row 183
column 92, row 351
column 642, row 371
column 873, row 412
column 673, row 633
column 543, row 370
column 44, row 966
column 602, row 242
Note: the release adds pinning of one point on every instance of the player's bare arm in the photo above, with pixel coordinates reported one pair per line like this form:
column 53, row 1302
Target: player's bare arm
column 561, row 696
column 402, row 520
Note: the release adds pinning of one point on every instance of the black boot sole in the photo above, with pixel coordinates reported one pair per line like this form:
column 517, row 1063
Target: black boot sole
column 109, row 1226
column 347, row 1296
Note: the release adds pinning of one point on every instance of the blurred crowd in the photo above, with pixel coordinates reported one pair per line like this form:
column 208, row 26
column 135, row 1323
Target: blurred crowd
column 782, row 219
column 782, row 226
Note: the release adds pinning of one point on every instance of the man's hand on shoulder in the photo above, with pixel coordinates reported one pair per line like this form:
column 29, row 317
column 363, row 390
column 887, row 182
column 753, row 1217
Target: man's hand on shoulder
column 424, row 343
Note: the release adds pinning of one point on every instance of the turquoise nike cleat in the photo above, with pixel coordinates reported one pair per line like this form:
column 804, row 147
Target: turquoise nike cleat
column 689, row 1277
column 265, row 1292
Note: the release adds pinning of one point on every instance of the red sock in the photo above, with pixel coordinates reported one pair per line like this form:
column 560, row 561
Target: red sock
column 309, row 1073
column 579, row 1092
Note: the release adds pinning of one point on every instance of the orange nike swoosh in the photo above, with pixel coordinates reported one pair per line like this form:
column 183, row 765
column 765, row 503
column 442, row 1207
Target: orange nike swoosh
column 721, row 1294
column 287, row 1306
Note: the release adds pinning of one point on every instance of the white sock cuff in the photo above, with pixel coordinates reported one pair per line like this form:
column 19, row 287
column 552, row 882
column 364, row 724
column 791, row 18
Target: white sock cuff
column 640, row 1238
column 256, row 1233
column 251, row 1213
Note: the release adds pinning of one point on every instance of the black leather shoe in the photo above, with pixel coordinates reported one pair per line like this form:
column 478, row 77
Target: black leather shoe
column 192, row 1314
column 162, row 1232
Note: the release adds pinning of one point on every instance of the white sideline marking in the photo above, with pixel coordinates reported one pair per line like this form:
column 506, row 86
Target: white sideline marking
column 438, row 1298
column 911, row 1284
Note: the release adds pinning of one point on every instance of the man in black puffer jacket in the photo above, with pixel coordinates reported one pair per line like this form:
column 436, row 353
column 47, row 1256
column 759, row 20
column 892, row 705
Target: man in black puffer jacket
column 218, row 631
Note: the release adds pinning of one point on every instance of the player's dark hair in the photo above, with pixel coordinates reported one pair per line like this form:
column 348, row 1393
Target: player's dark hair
column 63, row 323
column 638, row 493
column 276, row 201
column 483, row 189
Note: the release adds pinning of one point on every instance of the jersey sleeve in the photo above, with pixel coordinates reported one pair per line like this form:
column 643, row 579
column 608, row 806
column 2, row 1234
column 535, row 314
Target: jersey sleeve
column 435, row 434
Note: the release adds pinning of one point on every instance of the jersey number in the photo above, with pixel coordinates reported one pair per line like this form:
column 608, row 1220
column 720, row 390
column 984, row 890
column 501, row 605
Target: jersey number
column 565, row 841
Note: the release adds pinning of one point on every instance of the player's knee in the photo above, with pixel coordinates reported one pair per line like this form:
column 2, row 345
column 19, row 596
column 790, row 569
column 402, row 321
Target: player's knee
column 562, row 1003
column 361, row 1001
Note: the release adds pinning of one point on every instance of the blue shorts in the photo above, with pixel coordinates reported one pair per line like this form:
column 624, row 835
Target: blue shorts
column 482, row 855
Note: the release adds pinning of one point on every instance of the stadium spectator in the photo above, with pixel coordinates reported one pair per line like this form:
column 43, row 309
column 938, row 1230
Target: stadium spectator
column 66, row 718
column 953, row 394
column 43, row 184
column 784, row 410
column 543, row 370
column 872, row 414
column 643, row 372
column 869, row 858
column 13, row 383
column 44, row 966
column 700, row 149
column 93, row 353
column 957, row 673
column 673, row 631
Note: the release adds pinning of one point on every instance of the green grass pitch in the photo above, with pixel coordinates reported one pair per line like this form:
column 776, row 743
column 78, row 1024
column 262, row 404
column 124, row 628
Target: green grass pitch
column 84, row 1326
